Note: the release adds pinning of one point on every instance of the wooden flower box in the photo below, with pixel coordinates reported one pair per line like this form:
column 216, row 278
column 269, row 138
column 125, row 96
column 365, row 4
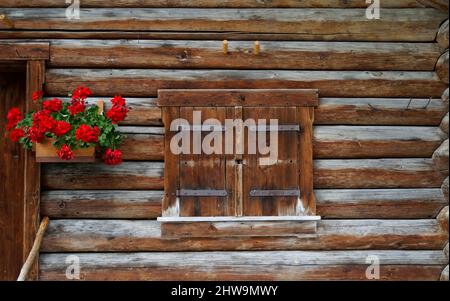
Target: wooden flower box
column 47, row 153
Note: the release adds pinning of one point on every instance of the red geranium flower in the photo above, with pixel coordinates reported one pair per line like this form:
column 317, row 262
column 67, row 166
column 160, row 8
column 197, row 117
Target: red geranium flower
column 113, row 157
column 80, row 93
column 54, row 105
column 16, row 134
column 87, row 134
column 117, row 113
column 61, row 128
column 37, row 95
column 43, row 121
column 14, row 116
column 65, row 153
column 35, row 135
column 76, row 107
column 118, row 101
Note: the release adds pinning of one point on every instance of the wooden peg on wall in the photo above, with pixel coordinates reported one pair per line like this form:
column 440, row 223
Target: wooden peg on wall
column 225, row 46
column 256, row 48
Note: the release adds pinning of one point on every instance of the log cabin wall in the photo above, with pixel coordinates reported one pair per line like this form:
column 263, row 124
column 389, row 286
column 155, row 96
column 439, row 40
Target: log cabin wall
column 380, row 135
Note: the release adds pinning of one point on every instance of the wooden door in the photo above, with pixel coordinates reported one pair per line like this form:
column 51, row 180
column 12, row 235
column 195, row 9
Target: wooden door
column 12, row 94
column 238, row 193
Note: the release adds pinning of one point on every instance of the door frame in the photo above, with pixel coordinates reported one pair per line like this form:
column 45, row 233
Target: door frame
column 33, row 56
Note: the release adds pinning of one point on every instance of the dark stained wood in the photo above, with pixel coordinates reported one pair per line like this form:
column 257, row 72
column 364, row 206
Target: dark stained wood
column 141, row 236
column 12, row 163
column 133, row 82
column 442, row 67
column 24, row 51
column 342, row 24
column 238, row 97
column 240, row 55
column 211, row 3
column 143, row 147
column 305, row 157
column 32, row 190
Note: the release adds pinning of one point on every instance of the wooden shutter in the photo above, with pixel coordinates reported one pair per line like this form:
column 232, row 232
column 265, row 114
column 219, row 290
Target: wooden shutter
column 233, row 194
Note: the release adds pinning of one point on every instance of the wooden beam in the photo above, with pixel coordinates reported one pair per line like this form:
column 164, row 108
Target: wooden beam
column 237, row 97
column 444, row 275
column 24, row 51
column 32, row 172
column 137, row 82
column 442, row 67
column 331, row 203
column 442, row 36
column 343, row 24
column 273, row 55
column 438, row 4
column 145, row 235
column 213, row 3
column 442, row 218
column 444, row 124
column 440, row 156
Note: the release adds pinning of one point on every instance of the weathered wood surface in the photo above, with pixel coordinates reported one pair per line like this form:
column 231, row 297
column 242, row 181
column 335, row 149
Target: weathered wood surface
column 444, row 98
column 444, row 188
column 268, row 265
column 358, row 173
column 343, row 24
column 101, row 204
column 442, row 218
column 438, row 4
column 137, row 82
column 442, row 36
column 444, row 275
column 24, row 51
column 140, row 235
column 440, row 156
column 442, row 67
column 143, row 147
column 273, row 55
column 129, row 175
column 363, row 111
column 444, row 124
column 212, row 3
column 331, row 203
column 238, row 97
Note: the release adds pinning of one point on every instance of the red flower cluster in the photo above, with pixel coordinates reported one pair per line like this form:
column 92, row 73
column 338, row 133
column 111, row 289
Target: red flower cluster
column 118, row 111
column 87, row 134
column 61, row 128
column 81, row 93
column 36, row 96
column 14, row 116
column 113, row 157
column 35, row 135
column 54, row 105
column 65, row 153
column 16, row 134
column 78, row 101
column 43, row 121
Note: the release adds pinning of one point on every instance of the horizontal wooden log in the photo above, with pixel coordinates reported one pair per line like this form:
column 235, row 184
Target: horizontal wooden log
column 363, row 203
column 375, row 142
column 351, row 111
column 438, row 4
column 440, row 156
column 442, row 67
column 442, row 36
column 24, row 51
column 442, row 218
column 137, row 82
column 444, row 275
column 269, row 265
column 238, row 97
column 143, row 147
column 145, row 235
column 212, row 3
column 129, row 175
column 362, row 173
column 379, row 111
column 444, row 124
column 342, row 24
column 273, row 55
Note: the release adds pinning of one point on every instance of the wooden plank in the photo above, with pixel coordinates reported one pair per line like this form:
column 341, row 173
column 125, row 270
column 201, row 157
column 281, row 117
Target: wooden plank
column 362, row 173
column 143, row 147
column 12, row 94
column 238, row 97
column 145, row 235
column 376, row 142
column 101, row 204
column 307, row 203
column 438, row 4
column 135, row 82
column 379, row 111
column 241, row 228
column 98, row 176
column 343, row 24
column 377, row 173
column 24, row 51
column 273, row 55
column 331, row 203
column 35, row 82
column 212, row 3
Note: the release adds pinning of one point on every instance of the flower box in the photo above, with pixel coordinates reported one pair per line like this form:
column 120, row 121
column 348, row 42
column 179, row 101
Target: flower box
column 47, row 153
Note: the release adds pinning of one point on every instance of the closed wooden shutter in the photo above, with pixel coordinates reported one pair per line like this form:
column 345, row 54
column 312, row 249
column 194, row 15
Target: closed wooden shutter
column 235, row 193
